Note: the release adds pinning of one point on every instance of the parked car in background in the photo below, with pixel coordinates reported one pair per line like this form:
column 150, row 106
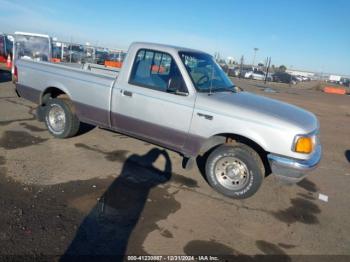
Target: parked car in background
column 224, row 66
column 74, row 53
column 57, row 54
column 245, row 69
column 240, row 71
column 233, row 71
column 256, row 75
column 299, row 78
column 334, row 78
column 305, row 78
column 283, row 77
column 345, row 81
column 269, row 77
column 3, row 56
column 101, row 57
column 6, row 48
column 115, row 59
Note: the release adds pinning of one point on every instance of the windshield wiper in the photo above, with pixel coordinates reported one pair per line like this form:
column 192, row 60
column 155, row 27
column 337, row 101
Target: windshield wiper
column 224, row 89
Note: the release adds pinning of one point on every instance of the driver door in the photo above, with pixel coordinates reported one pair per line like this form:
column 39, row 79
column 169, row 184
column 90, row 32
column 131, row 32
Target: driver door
column 155, row 104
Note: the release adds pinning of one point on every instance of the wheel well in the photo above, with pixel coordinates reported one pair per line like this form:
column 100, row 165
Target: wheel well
column 52, row 92
column 233, row 138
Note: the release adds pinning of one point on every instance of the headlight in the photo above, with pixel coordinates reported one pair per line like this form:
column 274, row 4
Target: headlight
column 304, row 144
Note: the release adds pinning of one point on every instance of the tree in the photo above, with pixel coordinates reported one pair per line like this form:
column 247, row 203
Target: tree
column 282, row 68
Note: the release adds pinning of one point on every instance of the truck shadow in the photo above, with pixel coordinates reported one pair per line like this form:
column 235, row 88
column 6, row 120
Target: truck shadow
column 105, row 231
column 200, row 161
column 85, row 128
column 347, row 155
column 5, row 76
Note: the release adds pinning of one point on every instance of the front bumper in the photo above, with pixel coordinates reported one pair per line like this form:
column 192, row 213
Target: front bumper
column 291, row 170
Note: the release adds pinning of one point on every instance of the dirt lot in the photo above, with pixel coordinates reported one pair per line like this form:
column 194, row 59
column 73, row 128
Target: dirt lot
column 105, row 193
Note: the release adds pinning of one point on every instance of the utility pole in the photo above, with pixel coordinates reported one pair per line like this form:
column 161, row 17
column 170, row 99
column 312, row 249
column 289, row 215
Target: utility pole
column 268, row 67
column 255, row 50
column 241, row 67
column 70, row 50
column 62, row 51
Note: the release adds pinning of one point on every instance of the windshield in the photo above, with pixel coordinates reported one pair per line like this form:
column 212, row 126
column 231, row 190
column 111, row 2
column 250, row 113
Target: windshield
column 33, row 47
column 206, row 74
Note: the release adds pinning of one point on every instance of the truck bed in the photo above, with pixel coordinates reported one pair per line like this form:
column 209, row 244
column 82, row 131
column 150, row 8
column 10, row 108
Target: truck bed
column 89, row 86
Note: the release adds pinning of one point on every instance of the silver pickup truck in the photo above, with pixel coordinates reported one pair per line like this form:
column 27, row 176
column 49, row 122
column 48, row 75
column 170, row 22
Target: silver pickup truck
column 180, row 99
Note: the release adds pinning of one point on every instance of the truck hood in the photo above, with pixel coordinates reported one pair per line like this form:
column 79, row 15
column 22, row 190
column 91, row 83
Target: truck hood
column 260, row 109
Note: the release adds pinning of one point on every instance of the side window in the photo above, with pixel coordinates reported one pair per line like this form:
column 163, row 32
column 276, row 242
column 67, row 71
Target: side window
column 157, row 71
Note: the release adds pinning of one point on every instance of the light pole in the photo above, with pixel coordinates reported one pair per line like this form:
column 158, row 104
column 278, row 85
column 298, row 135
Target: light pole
column 255, row 50
column 241, row 67
column 268, row 63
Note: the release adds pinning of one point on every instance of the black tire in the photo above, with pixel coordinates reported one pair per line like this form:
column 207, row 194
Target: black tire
column 253, row 165
column 72, row 123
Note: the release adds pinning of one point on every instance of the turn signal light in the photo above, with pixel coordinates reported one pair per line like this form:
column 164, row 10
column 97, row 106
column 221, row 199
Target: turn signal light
column 304, row 145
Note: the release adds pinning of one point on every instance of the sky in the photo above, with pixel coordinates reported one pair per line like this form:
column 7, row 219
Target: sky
column 300, row 34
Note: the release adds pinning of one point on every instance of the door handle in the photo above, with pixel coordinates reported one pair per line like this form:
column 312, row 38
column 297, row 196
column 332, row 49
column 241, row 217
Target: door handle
column 127, row 93
column 208, row 117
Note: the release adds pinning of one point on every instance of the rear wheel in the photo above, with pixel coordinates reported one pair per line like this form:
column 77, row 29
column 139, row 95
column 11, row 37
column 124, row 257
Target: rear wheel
column 235, row 170
column 60, row 118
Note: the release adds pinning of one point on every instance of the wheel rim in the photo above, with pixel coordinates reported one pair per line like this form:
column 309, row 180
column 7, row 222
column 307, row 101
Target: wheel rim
column 232, row 173
column 56, row 118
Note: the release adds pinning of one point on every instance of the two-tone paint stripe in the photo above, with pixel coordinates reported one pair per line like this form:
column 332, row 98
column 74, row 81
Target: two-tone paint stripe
column 183, row 142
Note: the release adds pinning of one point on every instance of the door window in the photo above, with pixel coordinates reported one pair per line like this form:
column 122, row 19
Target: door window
column 157, row 71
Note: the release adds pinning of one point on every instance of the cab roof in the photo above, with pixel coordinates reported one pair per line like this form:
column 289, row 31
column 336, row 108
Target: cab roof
column 164, row 47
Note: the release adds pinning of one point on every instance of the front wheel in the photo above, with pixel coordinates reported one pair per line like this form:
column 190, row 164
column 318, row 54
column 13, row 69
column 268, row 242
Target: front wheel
column 60, row 118
column 235, row 170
